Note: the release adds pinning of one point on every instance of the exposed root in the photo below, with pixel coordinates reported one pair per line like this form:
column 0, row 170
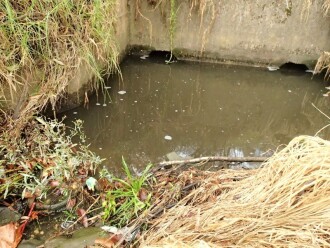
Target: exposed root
column 208, row 12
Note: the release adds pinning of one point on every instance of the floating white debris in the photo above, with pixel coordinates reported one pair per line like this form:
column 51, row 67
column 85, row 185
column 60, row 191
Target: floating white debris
column 106, row 116
column 122, row 92
column 135, row 101
column 144, row 56
column 66, row 224
column 100, row 148
column 326, row 94
column 289, row 91
column 176, row 111
column 111, row 229
column 75, row 113
column 310, row 71
column 167, row 137
column 107, row 87
column 98, row 104
column 273, row 68
column 91, row 183
column 104, row 104
column 121, row 99
column 328, row 88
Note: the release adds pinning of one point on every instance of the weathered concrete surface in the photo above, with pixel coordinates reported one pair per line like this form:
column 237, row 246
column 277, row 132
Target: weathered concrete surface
column 257, row 32
column 84, row 74
column 82, row 82
column 82, row 238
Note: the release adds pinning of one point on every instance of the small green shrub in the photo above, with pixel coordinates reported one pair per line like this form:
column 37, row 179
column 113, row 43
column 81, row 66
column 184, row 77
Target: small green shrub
column 128, row 198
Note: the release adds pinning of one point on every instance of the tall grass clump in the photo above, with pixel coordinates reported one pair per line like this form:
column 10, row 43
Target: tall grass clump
column 128, row 197
column 44, row 43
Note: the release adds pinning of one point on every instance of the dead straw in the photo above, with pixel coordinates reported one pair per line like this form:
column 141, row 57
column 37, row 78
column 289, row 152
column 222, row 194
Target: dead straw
column 284, row 204
column 44, row 44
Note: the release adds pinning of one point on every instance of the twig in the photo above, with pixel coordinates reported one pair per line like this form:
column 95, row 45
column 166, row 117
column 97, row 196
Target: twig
column 21, row 228
column 87, row 211
column 213, row 159
column 80, row 218
column 52, row 207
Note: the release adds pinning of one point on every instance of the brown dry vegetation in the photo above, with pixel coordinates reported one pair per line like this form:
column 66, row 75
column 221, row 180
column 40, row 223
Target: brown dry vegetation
column 43, row 43
column 284, row 204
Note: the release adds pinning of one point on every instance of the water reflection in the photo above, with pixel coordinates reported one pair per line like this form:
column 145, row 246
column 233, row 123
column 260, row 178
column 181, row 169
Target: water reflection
column 206, row 109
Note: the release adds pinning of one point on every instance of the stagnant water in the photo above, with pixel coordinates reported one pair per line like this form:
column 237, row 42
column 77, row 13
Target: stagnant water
column 205, row 109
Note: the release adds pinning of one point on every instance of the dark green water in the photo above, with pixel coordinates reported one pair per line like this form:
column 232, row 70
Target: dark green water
column 207, row 109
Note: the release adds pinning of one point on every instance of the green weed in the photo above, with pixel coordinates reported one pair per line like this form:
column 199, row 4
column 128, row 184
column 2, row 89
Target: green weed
column 128, row 198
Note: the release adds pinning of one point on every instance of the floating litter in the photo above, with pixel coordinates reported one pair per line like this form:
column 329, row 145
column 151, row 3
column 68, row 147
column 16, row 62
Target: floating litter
column 273, row 68
column 144, row 56
column 98, row 104
column 122, row 92
column 100, row 148
column 310, row 71
column 328, row 88
column 104, row 104
column 135, row 101
column 325, row 94
column 111, row 229
column 107, row 87
column 66, row 224
column 289, row 91
column 75, row 113
column 167, row 137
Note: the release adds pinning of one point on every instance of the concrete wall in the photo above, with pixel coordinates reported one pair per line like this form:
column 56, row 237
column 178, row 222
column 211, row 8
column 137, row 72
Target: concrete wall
column 258, row 32
column 81, row 83
column 253, row 31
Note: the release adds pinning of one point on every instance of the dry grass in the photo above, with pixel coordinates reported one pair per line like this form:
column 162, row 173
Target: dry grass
column 326, row 6
column 43, row 43
column 322, row 64
column 284, row 204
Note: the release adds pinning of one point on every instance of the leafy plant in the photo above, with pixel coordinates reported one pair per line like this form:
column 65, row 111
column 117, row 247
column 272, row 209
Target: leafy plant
column 42, row 157
column 128, row 198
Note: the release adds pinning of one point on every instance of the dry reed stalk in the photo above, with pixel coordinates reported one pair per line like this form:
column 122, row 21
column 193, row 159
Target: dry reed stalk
column 323, row 63
column 284, row 204
column 326, row 7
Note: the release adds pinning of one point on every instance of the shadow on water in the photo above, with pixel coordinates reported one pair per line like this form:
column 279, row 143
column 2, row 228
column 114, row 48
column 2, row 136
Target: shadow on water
column 206, row 109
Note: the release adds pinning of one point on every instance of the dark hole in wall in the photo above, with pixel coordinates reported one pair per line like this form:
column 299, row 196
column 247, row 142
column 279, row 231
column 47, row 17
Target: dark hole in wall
column 162, row 56
column 293, row 68
column 152, row 2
